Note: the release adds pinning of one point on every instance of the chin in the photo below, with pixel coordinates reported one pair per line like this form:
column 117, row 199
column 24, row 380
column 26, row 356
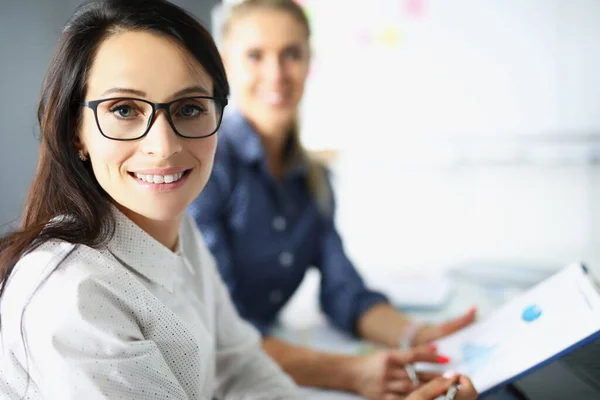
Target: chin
column 159, row 211
column 280, row 116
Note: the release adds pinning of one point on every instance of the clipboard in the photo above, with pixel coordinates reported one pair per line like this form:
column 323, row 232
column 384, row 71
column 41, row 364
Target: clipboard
column 554, row 318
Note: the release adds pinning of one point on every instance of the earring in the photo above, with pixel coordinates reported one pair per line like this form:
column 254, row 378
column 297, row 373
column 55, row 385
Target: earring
column 82, row 155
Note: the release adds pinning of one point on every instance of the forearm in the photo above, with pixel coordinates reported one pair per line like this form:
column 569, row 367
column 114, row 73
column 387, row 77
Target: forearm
column 312, row 368
column 257, row 377
column 383, row 324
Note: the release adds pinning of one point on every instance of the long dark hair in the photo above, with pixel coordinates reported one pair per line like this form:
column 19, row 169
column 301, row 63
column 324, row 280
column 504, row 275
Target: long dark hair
column 65, row 201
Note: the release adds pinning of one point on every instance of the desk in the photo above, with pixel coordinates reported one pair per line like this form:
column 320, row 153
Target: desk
column 320, row 335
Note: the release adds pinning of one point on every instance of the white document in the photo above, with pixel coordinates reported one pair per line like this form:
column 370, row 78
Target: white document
column 529, row 330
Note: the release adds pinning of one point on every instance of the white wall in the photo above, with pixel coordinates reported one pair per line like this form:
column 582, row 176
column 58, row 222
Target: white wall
column 462, row 68
column 467, row 131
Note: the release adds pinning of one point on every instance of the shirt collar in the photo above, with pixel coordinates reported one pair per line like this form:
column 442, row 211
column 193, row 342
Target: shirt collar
column 134, row 247
column 246, row 143
column 244, row 139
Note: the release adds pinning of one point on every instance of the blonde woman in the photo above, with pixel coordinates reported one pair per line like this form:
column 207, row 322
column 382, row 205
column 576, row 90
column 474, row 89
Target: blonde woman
column 267, row 214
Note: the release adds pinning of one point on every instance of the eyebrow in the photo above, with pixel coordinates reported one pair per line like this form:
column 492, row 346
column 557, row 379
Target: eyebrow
column 287, row 47
column 189, row 90
column 295, row 45
column 124, row 90
column 192, row 90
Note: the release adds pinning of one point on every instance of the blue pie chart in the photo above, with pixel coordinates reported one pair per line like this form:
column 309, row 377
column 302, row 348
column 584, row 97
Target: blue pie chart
column 531, row 313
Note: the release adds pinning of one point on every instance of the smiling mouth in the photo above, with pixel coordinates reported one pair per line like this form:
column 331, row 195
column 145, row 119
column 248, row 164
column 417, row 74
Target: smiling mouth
column 160, row 179
column 275, row 98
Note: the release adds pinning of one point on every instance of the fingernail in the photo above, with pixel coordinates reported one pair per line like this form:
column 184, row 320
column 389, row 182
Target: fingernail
column 443, row 359
column 473, row 309
column 449, row 374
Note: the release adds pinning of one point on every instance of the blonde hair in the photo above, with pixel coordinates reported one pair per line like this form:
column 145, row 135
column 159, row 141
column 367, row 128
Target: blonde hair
column 294, row 152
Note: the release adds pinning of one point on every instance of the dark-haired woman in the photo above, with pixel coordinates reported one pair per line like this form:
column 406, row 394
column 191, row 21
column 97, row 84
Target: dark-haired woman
column 108, row 290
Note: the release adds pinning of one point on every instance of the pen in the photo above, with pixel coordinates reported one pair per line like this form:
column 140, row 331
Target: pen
column 409, row 367
column 451, row 393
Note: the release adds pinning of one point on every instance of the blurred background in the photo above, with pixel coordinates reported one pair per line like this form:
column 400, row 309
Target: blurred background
column 463, row 135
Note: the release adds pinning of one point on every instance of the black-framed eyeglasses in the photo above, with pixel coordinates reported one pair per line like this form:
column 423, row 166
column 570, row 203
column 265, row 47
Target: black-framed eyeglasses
column 129, row 118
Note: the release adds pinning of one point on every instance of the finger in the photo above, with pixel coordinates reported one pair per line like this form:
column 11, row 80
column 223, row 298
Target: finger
column 402, row 357
column 399, row 386
column 392, row 396
column 467, row 390
column 427, row 376
column 396, row 373
column 432, row 389
column 420, row 353
column 400, row 373
column 458, row 323
column 427, row 347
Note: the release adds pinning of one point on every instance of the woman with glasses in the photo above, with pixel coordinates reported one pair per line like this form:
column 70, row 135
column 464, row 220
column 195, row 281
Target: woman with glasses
column 108, row 290
column 267, row 214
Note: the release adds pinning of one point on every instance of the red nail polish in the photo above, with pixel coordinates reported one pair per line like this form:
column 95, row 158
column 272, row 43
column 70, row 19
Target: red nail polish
column 443, row 359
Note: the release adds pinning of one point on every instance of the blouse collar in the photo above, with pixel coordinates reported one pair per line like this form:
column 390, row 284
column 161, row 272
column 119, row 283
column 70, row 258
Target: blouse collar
column 137, row 249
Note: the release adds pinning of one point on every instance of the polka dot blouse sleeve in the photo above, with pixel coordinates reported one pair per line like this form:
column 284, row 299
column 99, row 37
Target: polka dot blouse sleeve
column 85, row 341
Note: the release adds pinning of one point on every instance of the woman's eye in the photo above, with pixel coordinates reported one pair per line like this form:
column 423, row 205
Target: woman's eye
column 254, row 55
column 189, row 110
column 123, row 111
column 293, row 54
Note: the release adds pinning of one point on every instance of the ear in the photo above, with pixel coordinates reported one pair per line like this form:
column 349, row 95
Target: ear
column 80, row 147
column 78, row 143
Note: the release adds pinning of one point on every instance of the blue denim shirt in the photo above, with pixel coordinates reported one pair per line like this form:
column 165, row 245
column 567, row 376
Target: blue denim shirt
column 266, row 233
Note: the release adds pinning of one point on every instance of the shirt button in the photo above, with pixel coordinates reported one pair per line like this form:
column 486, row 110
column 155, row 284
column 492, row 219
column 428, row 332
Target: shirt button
column 279, row 224
column 286, row 259
column 276, row 296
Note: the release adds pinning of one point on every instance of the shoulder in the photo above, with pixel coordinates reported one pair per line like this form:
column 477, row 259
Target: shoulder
column 60, row 285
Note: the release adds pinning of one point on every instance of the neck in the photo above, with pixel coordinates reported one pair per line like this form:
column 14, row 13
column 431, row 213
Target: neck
column 273, row 139
column 274, row 146
column 165, row 232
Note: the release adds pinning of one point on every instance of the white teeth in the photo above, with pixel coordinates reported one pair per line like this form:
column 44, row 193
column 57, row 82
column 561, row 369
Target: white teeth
column 158, row 179
column 169, row 178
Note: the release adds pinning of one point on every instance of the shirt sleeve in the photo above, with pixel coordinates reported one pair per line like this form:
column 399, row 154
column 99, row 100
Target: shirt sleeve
column 344, row 296
column 209, row 210
column 84, row 342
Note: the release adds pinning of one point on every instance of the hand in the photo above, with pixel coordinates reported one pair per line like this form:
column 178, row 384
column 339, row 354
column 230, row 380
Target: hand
column 439, row 386
column 429, row 333
column 382, row 376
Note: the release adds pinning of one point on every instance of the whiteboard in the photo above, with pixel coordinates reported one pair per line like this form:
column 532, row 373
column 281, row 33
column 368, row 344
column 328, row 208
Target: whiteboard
column 408, row 70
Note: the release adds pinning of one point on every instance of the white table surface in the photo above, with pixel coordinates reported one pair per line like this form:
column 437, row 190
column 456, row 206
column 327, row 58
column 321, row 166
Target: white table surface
column 320, row 335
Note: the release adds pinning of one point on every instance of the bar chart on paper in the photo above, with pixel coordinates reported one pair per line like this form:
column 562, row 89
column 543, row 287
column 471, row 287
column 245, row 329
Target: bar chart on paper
column 476, row 355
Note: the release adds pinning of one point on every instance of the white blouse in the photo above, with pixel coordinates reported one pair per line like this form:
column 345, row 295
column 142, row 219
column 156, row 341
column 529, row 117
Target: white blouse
column 133, row 320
